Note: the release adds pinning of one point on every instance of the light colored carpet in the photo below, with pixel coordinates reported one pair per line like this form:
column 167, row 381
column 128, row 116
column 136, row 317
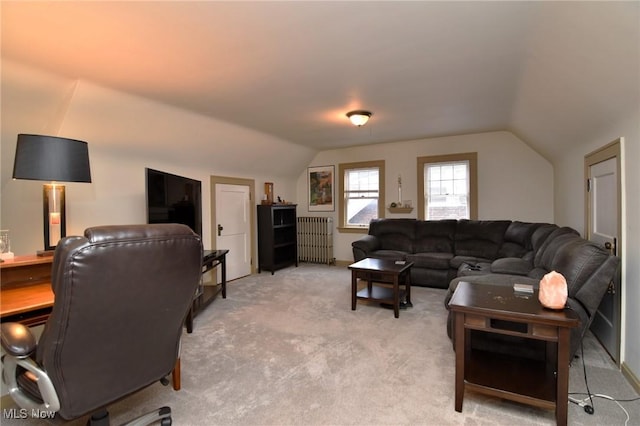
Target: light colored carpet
column 287, row 349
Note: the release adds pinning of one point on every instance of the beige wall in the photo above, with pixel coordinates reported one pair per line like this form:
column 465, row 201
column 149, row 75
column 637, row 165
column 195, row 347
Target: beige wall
column 507, row 169
column 125, row 134
column 569, row 201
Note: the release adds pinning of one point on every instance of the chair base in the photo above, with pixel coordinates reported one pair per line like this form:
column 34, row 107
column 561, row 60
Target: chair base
column 162, row 414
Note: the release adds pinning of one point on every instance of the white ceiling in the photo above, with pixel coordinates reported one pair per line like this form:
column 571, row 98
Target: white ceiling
column 553, row 73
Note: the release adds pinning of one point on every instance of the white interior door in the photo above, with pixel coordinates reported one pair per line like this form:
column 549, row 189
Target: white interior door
column 233, row 227
column 603, row 230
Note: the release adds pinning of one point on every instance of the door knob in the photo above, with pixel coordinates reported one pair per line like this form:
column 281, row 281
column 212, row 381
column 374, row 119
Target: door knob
column 611, row 246
column 220, row 228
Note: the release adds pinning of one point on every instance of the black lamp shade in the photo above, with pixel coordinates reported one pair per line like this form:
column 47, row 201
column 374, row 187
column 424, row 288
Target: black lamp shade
column 51, row 158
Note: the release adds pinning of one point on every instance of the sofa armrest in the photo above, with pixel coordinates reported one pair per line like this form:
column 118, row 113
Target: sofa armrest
column 365, row 245
column 511, row 266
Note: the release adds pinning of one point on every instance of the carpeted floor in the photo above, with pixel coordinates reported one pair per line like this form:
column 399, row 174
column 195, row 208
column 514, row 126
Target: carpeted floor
column 287, row 349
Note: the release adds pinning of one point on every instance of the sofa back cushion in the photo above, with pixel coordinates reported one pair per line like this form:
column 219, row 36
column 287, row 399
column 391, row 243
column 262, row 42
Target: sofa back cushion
column 480, row 238
column 434, row 236
column 517, row 239
column 394, row 234
column 547, row 250
column 587, row 267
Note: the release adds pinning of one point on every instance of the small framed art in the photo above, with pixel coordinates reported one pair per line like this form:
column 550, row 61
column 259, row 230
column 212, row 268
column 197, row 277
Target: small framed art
column 321, row 188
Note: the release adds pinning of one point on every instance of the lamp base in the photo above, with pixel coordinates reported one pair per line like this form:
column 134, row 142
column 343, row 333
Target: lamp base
column 45, row 253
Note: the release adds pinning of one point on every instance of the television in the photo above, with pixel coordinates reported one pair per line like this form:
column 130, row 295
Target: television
column 173, row 199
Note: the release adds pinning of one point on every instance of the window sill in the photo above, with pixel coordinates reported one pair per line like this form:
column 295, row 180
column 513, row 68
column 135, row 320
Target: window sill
column 400, row 209
column 353, row 230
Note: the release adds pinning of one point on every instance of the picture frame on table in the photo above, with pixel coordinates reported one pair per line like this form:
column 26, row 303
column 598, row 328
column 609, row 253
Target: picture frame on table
column 321, row 188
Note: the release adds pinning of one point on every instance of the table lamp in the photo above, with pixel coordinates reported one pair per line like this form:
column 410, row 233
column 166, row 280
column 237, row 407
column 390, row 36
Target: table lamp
column 53, row 159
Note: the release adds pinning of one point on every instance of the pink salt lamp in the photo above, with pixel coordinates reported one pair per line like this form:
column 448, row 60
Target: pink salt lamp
column 553, row 291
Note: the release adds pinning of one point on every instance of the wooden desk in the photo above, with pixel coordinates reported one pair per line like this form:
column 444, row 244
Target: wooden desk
column 499, row 310
column 25, row 290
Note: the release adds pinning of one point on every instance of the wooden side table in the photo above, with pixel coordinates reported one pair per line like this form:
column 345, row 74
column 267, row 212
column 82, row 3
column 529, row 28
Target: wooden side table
column 383, row 271
column 499, row 310
column 207, row 293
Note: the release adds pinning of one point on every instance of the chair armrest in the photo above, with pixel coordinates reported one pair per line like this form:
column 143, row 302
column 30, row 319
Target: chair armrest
column 17, row 340
column 19, row 343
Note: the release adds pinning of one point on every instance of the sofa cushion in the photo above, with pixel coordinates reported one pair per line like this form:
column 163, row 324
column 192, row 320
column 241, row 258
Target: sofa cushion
column 577, row 260
column 479, row 238
column 457, row 261
column 388, row 254
column 511, row 265
column 517, row 239
column 430, row 260
column 540, row 235
column 480, row 268
column 434, row 236
column 394, row 234
column 553, row 242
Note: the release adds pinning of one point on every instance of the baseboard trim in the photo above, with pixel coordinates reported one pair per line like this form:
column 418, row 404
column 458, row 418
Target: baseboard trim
column 632, row 378
column 343, row 262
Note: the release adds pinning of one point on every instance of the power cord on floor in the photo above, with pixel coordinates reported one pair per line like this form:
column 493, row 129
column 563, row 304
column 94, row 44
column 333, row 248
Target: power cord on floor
column 589, row 408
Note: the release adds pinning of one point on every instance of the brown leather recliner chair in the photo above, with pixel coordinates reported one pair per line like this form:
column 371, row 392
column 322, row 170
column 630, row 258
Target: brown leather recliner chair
column 121, row 297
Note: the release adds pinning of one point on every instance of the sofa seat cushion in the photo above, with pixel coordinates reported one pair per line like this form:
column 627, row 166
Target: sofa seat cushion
column 512, row 266
column 430, row 260
column 388, row 254
column 458, row 261
column 480, row 268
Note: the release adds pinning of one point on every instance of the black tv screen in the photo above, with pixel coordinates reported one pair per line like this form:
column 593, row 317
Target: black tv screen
column 174, row 199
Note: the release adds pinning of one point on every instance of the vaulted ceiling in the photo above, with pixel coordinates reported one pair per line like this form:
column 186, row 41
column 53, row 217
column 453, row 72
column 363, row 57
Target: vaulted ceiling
column 551, row 72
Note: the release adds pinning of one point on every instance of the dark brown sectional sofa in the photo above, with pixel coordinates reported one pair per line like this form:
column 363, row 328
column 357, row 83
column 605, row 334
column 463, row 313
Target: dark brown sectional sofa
column 498, row 252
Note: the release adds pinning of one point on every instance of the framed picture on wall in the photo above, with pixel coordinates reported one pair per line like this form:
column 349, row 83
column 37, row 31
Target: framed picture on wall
column 321, row 188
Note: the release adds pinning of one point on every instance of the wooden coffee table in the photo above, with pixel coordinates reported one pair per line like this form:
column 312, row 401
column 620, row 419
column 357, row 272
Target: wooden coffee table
column 381, row 271
column 499, row 310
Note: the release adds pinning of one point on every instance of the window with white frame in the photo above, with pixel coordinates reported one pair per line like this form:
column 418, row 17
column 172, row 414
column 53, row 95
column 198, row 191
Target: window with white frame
column 362, row 193
column 449, row 187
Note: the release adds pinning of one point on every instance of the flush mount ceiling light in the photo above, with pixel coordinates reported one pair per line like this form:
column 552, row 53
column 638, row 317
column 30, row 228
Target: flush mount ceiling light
column 359, row 117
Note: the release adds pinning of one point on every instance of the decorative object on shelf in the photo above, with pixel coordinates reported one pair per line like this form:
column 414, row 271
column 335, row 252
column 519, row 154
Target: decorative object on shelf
column 5, row 245
column 400, row 209
column 400, row 189
column 407, row 204
column 321, row 188
column 553, row 291
column 54, row 159
column 359, row 117
column 268, row 193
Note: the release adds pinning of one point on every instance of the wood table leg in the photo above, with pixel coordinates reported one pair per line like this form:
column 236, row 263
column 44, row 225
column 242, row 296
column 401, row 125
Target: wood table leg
column 562, row 381
column 223, row 267
column 460, row 348
column 176, row 375
column 407, row 285
column 354, row 289
column 396, row 296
